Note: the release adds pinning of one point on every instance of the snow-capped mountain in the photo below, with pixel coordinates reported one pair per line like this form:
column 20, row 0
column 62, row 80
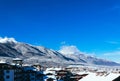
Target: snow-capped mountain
column 10, row 48
column 74, row 53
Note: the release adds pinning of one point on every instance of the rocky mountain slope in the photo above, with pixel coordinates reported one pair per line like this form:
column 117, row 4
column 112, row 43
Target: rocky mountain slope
column 10, row 48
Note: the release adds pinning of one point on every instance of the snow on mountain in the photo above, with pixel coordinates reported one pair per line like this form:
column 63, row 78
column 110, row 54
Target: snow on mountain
column 74, row 53
column 10, row 48
column 6, row 40
column 31, row 53
column 69, row 50
column 27, row 50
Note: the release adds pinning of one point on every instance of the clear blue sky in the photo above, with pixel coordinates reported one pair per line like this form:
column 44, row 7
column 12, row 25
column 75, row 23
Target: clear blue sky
column 91, row 25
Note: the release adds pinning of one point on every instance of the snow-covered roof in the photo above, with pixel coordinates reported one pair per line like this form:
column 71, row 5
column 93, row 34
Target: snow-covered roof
column 17, row 59
column 51, row 70
column 93, row 77
column 2, row 62
column 81, row 73
column 51, row 76
column 56, row 69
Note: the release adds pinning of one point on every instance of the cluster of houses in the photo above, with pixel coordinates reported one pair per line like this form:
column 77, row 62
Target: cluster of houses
column 97, row 73
column 17, row 71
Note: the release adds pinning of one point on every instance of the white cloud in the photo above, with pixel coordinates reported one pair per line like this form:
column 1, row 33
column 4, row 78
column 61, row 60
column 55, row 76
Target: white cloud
column 114, row 53
column 63, row 42
column 6, row 39
column 112, row 42
column 114, row 56
column 69, row 50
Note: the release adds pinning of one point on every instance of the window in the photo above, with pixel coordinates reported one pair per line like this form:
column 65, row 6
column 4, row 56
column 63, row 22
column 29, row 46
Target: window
column 32, row 78
column 7, row 71
column 32, row 74
column 7, row 76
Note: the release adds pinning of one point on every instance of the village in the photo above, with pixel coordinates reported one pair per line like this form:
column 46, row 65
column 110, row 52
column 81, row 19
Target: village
column 17, row 71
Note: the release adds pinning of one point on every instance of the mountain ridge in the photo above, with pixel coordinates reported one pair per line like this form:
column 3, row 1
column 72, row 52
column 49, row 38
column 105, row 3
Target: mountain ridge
column 12, row 49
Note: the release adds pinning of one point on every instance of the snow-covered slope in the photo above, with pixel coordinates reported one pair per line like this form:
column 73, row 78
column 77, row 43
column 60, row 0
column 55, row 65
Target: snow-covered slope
column 9, row 47
column 30, row 53
column 80, row 57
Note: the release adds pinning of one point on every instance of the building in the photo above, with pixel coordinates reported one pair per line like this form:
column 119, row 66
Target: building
column 17, row 72
column 63, row 75
column 10, row 72
column 18, row 61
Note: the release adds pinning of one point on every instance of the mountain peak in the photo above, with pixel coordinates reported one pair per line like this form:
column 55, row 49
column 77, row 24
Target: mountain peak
column 7, row 40
column 70, row 50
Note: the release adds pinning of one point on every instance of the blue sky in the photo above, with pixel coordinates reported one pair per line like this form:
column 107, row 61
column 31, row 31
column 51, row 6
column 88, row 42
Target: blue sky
column 92, row 26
